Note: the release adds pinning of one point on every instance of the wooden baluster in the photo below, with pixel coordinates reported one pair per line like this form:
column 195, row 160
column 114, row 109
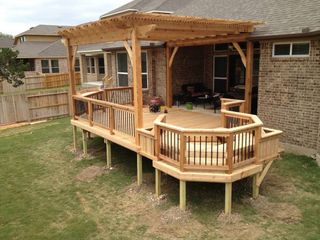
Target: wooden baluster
column 182, row 151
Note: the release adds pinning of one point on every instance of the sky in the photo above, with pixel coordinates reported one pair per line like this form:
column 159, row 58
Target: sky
column 17, row 16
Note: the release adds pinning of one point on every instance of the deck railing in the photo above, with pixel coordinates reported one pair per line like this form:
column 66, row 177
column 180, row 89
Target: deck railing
column 242, row 140
column 209, row 149
column 98, row 112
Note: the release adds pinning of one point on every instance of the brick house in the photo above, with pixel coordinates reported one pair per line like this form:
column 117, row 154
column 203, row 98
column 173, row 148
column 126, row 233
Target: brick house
column 286, row 71
column 42, row 48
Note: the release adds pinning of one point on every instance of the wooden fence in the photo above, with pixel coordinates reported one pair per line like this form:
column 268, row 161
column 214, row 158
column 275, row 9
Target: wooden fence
column 42, row 81
column 23, row 107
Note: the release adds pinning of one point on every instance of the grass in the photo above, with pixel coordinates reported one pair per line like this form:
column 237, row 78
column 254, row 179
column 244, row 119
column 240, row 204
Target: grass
column 41, row 197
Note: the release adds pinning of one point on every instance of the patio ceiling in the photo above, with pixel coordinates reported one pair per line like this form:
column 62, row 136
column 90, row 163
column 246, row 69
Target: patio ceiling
column 175, row 30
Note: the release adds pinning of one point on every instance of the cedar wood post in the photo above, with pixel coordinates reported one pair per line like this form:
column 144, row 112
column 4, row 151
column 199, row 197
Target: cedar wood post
column 248, row 84
column 71, row 63
column 137, row 82
column 169, row 78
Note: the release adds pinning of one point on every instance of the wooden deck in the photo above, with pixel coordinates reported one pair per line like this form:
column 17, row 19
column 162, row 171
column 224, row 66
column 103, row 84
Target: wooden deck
column 196, row 145
column 198, row 118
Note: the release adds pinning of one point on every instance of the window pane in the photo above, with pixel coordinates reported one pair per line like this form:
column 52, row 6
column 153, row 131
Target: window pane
column 122, row 62
column 220, row 67
column 123, row 80
column 54, row 63
column 101, row 65
column 281, row 49
column 55, row 70
column 92, row 62
column 45, row 66
column 44, row 63
column 300, row 49
column 144, row 81
column 77, row 65
column 144, row 62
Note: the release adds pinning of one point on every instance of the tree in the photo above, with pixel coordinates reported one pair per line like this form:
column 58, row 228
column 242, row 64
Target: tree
column 11, row 68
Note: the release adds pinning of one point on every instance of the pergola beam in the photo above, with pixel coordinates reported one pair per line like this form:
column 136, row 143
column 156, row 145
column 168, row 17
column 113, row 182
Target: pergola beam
column 209, row 40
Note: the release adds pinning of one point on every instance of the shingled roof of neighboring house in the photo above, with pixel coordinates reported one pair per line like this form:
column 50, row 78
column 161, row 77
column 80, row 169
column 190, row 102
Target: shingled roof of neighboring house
column 41, row 50
column 43, row 30
column 6, row 42
column 281, row 17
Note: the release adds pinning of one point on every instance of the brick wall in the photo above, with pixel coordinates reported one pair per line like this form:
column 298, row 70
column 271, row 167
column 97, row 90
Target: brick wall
column 188, row 67
column 289, row 95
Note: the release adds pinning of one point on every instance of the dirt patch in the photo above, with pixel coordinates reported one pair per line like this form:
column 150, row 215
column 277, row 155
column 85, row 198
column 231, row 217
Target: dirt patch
column 175, row 215
column 276, row 184
column 232, row 226
column 284, row 212
column 90, row 173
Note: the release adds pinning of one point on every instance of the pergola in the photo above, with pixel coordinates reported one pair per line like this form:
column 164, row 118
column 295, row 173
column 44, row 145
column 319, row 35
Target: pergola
column 131, row 27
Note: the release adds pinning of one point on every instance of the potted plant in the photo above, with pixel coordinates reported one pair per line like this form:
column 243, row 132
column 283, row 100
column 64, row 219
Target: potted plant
column 154, row 104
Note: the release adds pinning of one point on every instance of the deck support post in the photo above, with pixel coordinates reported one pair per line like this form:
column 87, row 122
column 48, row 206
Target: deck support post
column 249, row 70
column 158, row 182
column 255, row 186
column 74, row 133
column 108, row 153
column 183, row 195
column 139, row 169
column 228, row 198
column 84, row 142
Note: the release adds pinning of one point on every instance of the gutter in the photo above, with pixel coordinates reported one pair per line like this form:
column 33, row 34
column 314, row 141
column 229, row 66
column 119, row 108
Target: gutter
column 285, row 36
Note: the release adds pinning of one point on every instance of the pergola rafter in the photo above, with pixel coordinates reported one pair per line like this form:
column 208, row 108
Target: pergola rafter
column 175, row 31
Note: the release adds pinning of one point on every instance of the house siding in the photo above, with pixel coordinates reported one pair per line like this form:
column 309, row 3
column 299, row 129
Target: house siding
column 289, row 95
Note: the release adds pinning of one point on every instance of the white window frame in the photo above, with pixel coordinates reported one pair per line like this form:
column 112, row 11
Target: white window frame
column 145, row 73
column 123, row 73
column 126, row 73
column 291, row 46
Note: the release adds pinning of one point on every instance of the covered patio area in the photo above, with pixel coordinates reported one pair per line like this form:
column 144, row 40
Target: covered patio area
column 188, row 145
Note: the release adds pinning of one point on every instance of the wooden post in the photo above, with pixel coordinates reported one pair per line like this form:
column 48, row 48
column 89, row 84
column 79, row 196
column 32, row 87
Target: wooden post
column 257, row 138
column 249, row 69
column 108, row 153
column 183, row 195
column 74, row 131
column 169, row 78
column 228, row 198
column 158, row 182
column 84, row 142
column 71, row 53
column 255, row 187
column 139, row 169
column 137, row 82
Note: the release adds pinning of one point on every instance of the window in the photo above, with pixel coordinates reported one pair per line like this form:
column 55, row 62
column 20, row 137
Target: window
column 299, row 49
column 23, row 39
column 122, row 69
column 77, row 65
column 45, row 68
column 54, row 66
column 50, row 66
column 101, row 65
column 144, row 70
column 91, row 67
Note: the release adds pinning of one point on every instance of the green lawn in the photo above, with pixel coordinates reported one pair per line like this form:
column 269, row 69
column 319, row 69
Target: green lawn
column 41, row 196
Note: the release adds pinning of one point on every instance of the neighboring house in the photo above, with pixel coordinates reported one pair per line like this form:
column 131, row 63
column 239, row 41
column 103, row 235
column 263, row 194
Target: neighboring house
column 41, row 47
column 286, row 71
column 6, row 42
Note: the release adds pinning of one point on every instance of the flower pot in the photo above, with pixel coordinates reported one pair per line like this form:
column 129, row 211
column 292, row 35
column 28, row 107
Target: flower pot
column 189, row 105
